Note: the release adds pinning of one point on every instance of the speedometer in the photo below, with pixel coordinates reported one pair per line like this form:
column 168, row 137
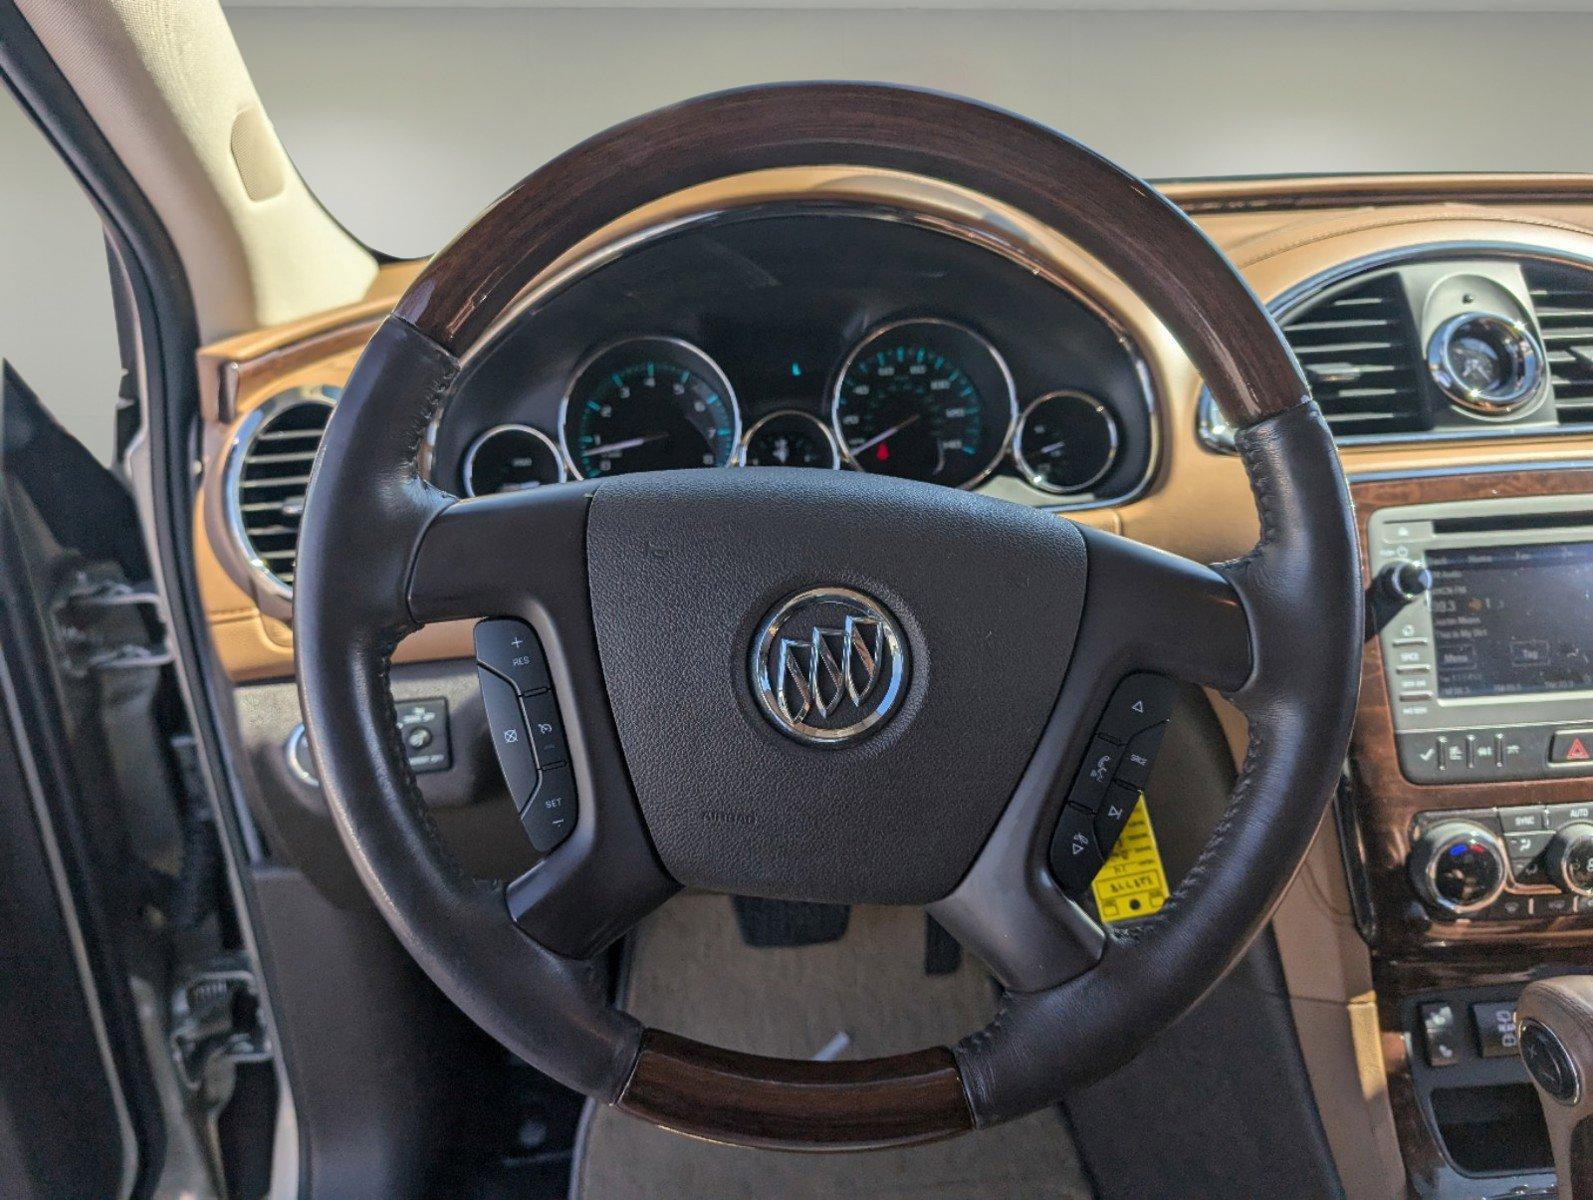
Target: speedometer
column 648, row 404
column 927, row 400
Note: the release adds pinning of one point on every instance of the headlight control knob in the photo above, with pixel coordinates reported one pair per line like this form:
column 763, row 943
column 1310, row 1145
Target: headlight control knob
column 1458, row 866
column 1570, row 858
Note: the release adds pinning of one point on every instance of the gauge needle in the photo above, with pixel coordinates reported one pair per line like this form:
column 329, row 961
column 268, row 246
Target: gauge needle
column 1047, row 451
column 627, row 444
column 880, row 437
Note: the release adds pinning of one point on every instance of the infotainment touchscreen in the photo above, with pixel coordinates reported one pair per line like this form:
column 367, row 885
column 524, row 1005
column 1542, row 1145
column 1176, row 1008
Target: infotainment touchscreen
column 1515, row 619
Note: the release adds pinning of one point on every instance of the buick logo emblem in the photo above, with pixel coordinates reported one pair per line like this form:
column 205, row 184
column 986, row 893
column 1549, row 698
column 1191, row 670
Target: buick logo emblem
column 828, row 665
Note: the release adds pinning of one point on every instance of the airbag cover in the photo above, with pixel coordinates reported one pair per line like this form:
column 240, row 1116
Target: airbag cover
column 683, row 569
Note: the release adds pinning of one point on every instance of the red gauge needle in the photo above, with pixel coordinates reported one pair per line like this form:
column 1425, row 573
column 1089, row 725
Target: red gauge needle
column 880, row 437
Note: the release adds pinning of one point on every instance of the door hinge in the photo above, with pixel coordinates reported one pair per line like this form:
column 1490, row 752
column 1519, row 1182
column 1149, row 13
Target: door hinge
column 216, row 1021
column 104, row 623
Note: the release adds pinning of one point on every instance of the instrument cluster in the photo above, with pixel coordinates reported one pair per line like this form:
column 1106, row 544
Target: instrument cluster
column 826, row 341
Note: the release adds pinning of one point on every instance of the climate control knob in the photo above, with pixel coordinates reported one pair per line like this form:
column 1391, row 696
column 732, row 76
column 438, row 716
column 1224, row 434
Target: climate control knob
column 1458, row 866
column 1570, row 858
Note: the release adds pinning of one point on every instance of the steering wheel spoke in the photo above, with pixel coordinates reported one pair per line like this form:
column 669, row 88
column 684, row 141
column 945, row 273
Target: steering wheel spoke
column 1146, row 614
column 519, row 561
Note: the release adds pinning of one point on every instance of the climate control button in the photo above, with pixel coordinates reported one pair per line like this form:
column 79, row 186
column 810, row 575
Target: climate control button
column 1570, row 858
column 1458, row 866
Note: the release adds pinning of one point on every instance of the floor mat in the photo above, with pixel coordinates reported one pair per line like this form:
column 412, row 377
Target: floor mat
column 691, row 973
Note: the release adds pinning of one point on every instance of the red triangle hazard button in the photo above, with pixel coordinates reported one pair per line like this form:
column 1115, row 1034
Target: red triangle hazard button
column 1572, row 747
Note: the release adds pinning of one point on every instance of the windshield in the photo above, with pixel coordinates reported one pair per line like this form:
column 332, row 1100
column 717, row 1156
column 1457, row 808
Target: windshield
column 407, row 121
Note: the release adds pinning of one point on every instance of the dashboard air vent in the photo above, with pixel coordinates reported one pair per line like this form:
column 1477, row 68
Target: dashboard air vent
column 1563, row 298
column 271, row 473
column 1358, row 350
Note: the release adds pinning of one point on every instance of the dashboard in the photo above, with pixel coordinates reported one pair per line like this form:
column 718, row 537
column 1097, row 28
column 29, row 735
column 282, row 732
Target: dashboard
column 820, row 339
column 853, row 322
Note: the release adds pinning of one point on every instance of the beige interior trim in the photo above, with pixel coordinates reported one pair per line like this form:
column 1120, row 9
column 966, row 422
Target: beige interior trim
column 166, row 84
column 1198, row 504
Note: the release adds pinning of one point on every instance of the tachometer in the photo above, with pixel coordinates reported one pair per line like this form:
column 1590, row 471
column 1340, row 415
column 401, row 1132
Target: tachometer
column 925, row 400
column 648, row 404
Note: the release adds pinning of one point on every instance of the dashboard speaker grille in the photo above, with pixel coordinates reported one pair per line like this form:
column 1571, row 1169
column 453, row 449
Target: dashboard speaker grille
column 1357, row 347
column 273, row 471
column 1563, row 298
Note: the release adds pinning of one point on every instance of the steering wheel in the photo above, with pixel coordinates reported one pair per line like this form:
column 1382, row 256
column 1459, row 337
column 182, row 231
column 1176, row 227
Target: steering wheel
column 682, row 615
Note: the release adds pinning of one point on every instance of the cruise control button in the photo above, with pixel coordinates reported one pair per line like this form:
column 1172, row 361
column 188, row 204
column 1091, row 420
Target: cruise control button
column 1095, row 773
column 510, row 741
column 1113, row 815
column 1075, row 854
column 511, row 649
column 1140, row 756
column 547, row 730
column 1139, row 702
column 550, row 816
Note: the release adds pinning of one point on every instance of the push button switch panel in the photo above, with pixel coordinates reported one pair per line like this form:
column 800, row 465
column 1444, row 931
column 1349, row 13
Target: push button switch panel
column 1109, row 780
column 527, row 730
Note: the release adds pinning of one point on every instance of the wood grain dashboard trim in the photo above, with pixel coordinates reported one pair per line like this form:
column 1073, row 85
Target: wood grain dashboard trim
column 1387, row 803
column 1198, row 503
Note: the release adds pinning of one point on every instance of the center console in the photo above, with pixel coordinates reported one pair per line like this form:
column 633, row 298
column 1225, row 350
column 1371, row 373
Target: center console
column 1467, row 815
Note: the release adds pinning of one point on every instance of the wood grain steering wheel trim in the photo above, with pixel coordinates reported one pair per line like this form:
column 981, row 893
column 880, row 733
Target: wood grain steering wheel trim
column 1124, row 222
column 701, row 1090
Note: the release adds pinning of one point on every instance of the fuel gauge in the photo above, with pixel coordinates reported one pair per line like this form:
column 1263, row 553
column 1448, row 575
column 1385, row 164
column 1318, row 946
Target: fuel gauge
column 790, row 439
column 1066, row 442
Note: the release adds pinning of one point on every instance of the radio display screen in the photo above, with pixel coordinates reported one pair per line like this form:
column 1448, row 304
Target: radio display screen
column 1509, row 620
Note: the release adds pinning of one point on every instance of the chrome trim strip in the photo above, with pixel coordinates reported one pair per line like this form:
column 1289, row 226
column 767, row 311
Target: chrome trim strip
column 1568, row 464
column 1216, row 434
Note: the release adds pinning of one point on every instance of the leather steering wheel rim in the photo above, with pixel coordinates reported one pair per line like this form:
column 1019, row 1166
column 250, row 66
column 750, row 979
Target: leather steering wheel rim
column 382, row 551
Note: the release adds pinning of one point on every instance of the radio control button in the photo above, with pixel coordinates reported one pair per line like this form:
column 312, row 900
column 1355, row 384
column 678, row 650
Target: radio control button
column 1451, row 754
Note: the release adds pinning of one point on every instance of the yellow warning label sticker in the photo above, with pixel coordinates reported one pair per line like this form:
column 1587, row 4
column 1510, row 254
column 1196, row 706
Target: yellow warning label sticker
column 1132, row 884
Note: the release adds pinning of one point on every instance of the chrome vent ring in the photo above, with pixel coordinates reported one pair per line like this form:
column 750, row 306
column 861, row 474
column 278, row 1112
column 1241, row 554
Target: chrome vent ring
column 267, row 474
